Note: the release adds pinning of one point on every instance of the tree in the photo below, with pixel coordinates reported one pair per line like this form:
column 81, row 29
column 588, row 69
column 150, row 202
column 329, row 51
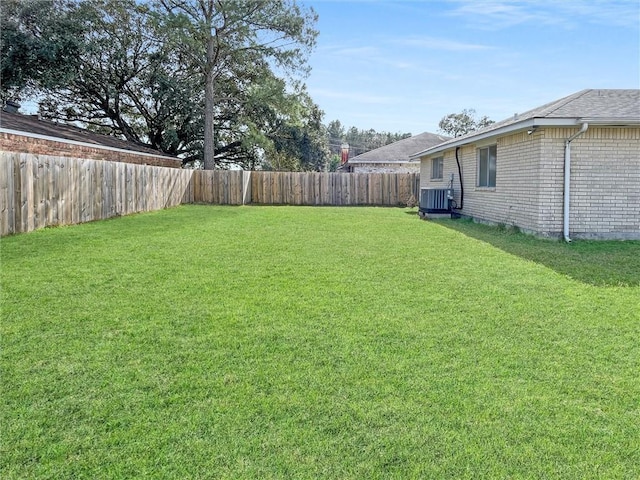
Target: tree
column 299, row 141
column 236, row 39
column 135, row 79
column 39, row 44
column 336, row 135
column 128, row 83
column 458, row 124
column 360, row 141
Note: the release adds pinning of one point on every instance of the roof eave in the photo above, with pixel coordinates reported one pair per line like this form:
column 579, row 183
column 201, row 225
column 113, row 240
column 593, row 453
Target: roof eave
column 526, row 124
column 512, row 127
column 86, row 144
column 362, row 162
column 611, row 121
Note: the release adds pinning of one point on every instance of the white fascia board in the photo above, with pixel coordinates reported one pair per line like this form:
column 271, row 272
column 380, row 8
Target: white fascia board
column 83, row 144
column 512, row 127
column 364, row 162
column 612, row 121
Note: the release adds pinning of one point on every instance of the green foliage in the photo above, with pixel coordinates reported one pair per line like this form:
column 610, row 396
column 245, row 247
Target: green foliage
column 219, row 342
column 39, row 45
column 298, row 142
column 334, row 163
column 129, row 84
column 162, row 74
column 360, row 141
column 235, row 46
column 458, row 124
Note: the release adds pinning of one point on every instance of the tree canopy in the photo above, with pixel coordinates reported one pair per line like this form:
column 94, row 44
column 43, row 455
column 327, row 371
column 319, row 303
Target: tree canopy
column 231, row 46
column 458, row 124
column 163, row 74
column 219, row 83
column 359, row 140
column 40, row 44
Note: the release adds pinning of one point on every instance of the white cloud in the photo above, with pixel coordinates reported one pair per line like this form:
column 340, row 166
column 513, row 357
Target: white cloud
column 352, row 51
column 433, row 43
column 370, row 56
column 507, row 13
column 352, row 96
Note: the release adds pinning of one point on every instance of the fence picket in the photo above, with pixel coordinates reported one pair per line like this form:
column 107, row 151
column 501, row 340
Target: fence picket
column 38, row 190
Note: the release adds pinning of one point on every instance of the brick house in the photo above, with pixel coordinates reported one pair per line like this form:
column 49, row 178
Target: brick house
column 29, row 134
column 395, row 157
column 570, row 168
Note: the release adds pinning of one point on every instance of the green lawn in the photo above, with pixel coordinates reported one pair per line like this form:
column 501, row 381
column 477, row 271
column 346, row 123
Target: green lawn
column 291, row 342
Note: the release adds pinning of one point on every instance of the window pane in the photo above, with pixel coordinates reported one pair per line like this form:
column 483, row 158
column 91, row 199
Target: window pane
column 487, row 166
column 483, row 154
column 436, row 168
column 492, row 166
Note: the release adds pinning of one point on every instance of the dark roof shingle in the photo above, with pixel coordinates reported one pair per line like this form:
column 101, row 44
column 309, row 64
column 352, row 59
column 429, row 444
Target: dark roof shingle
column 32, row 124
column 401, row 150
column 601, row 106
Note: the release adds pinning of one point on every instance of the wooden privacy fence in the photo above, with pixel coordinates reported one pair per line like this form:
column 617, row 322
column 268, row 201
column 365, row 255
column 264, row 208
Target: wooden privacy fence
column 37, row 191
column 305, row 188
column 218, row 187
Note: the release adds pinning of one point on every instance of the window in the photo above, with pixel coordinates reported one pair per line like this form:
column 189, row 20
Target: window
column 436, row 168
column 487, row 166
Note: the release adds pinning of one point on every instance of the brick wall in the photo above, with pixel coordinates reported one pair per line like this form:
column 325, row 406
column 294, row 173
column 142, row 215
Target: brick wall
column 605, row 182
column 19, row 143
column 514, row 200
column 551, row 184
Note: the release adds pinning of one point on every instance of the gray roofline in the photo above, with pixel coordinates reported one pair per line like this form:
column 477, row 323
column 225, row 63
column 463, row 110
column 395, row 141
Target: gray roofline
column 85, row 144
column 352, row 161
column 611, row 121
column 524, row 125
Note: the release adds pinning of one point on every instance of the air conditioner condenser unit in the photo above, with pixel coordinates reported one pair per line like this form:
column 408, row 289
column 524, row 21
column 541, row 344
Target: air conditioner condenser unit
column 436, row 200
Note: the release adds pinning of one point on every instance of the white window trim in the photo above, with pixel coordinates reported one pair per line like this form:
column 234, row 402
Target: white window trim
column 432, row 163
column 478, row 149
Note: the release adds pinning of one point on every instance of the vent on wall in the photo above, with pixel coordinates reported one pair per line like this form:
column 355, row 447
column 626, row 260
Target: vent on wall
column 436, row 200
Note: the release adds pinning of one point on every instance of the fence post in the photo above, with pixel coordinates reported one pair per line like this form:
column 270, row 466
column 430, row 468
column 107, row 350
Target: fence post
column 246, row 187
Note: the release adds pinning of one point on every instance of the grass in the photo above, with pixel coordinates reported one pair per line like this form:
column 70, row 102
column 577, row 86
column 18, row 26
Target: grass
column 593, row 262
column 260, row 342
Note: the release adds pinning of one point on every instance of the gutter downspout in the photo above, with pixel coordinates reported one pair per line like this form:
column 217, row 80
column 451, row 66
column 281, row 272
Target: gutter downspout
column 461, row 184
column 567, row 179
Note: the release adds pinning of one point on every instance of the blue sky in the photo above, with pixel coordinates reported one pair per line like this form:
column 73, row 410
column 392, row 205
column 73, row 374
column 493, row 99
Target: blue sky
column 400, row 66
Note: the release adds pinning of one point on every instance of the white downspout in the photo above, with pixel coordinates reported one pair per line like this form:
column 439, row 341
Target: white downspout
column 567, row 179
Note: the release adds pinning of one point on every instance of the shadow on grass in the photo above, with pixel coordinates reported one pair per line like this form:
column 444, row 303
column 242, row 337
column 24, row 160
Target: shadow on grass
column 600, row 263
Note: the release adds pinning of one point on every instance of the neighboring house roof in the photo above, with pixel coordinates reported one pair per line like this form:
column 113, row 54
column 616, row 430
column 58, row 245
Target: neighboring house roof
column 33, row 126
column 399, row 151
column 599, row 107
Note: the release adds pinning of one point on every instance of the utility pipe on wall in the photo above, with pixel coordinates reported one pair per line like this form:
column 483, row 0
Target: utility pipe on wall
column 567, row 179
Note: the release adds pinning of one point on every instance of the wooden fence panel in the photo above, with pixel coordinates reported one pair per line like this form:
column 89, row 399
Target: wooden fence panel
column 26, row 187
column 53, row 197
column 208, row 188
column 11, row 209
column 34, row 199
column 238, row 184
column 316, row 188
column 7, row 200
column 38, row 191
column 271, row 187
column 220, row 187
column 132, row 191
